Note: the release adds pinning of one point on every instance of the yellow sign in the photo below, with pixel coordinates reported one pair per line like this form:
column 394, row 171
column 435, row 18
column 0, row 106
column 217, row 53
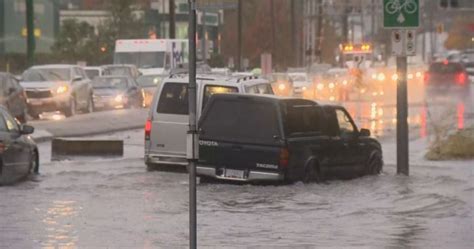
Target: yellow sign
column 37, row 32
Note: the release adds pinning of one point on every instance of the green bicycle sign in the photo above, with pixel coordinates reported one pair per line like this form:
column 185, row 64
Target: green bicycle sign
column 401, row 13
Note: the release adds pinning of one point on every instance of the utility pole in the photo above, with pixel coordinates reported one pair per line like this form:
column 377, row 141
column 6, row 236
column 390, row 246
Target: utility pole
column 192, row 152
column 272, row 18
column 293, row 32
column 172, row 19
column 319, row 34
column 30, row 32
column 239, row 35
column 203, row 36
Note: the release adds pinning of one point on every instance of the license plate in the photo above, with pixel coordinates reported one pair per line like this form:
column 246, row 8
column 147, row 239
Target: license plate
column 236, row 174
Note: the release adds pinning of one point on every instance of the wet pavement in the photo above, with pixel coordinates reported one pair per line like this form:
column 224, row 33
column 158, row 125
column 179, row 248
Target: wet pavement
column 116, row 203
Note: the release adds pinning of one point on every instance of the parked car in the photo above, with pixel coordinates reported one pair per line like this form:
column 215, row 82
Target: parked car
column 18, row 152
column 121, row 69
column 167, row 123
column 271, row 138
column 12, row 96
column 64, row 88
column 116, row 92
column 93, row 72
column 149, row 83
column 447, row 78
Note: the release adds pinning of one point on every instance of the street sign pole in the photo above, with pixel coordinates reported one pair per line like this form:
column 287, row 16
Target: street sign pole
column 403, row 17
column 192, row 136
column 402, row 114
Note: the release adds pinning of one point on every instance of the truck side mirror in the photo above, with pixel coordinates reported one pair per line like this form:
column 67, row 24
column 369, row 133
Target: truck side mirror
column 364, row 132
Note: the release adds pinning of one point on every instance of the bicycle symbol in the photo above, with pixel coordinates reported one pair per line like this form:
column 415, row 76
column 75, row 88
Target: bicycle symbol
column 394, row 6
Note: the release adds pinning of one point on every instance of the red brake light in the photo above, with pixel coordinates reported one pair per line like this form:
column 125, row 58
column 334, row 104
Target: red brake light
column 426, row 77
column 461, row 78
column 147, row 129
column 284, row 157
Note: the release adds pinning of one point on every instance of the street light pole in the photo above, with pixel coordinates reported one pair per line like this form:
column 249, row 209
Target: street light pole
column 30, row 32
column 192, row 153
column 172, row 19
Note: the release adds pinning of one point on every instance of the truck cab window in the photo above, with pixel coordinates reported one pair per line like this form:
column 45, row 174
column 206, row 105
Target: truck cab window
column 346, row 127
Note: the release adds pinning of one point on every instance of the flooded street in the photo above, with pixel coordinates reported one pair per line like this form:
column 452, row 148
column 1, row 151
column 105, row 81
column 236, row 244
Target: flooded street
column 116, row 203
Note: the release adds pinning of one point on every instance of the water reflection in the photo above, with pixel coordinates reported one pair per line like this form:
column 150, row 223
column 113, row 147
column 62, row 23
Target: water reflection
column 60, row 232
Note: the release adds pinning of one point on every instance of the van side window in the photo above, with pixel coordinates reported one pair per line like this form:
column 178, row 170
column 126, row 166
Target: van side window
column 173, row 99
column 209, row 90
column 242, row 121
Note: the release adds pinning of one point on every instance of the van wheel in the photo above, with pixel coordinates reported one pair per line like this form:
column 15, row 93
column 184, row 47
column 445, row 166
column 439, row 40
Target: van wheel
column 374, row 164
column 311, row 174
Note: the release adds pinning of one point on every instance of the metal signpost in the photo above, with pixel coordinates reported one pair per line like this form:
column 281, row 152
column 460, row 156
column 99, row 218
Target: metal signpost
column 402, row 16
column 192, row 136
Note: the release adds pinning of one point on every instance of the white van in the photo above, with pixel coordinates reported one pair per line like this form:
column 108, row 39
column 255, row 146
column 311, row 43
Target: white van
column 167, row 123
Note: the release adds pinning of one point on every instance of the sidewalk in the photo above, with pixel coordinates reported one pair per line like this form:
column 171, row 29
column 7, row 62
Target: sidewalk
column 89, row 124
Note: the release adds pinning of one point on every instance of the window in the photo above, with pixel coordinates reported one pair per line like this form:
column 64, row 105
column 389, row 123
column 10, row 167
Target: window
column 34, row 75
column 210, row 90
column 174, row 99
column 344, row 121
column 11, row 123
column 259, row 89
column 113, row 83
column 3, row 125
column 448, row 68
column 241, row 121
column 3, row 83
column 77, row 73
column 149, row 80
column 303, row 118
column 92, row 73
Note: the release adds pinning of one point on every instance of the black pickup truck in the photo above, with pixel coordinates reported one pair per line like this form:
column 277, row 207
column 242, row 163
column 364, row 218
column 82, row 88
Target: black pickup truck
column 269, row 138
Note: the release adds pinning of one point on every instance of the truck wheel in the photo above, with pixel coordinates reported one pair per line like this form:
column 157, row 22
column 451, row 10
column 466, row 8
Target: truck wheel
column 374, row 164
column 71, row 109
column 34, row 163
column 311, row 174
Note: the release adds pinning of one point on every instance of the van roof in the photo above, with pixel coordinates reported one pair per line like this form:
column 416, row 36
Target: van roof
column 221, row 79
column 54, row 66
column 270, row 98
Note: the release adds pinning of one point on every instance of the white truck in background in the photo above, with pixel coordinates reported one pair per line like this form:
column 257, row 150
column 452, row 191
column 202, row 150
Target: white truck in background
column 152, row 56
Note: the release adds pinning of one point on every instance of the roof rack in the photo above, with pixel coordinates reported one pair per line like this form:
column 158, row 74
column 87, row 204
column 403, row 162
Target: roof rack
column 246, row 78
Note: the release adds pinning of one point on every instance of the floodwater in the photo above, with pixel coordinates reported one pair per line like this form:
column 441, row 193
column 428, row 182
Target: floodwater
column 116, row 203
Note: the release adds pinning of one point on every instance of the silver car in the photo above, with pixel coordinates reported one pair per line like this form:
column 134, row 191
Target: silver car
column 64, row 88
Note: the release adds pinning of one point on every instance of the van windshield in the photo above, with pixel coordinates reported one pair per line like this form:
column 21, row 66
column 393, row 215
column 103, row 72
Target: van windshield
column 246, row 121
column 141, row 59
column 210, row 90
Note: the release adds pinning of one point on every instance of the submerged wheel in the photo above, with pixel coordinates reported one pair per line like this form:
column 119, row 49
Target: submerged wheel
column 374, row 164
column 311, row 174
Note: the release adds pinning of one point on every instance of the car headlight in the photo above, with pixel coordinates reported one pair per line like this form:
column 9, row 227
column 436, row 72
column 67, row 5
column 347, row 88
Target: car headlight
column 281, row 87
column 304, row 88
column 331, row 85
column 320, row 86
column 62, row 89
column 119, row 98
column 381, row 77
